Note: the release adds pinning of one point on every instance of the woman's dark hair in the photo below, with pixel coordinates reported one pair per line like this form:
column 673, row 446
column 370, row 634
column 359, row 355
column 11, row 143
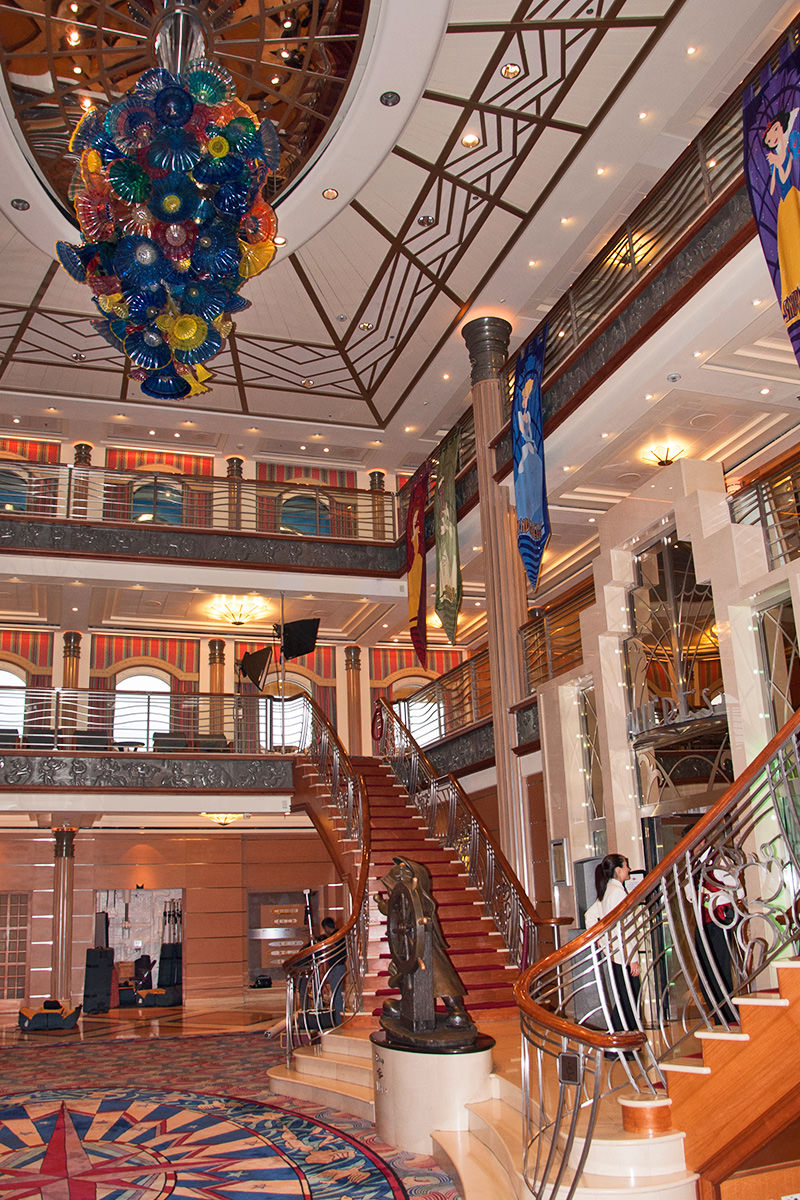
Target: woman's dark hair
column 604, row 872
column 781, row 118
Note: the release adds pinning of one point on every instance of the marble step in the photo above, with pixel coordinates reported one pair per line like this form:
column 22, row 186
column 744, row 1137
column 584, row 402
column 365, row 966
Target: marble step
column 345, row 1097
column 323, row 1062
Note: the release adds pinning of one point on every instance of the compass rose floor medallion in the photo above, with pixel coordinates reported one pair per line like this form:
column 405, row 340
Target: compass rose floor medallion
column 129, row 1144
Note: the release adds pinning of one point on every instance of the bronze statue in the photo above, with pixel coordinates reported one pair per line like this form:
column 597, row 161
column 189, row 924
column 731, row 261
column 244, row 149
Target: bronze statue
column 420, row 966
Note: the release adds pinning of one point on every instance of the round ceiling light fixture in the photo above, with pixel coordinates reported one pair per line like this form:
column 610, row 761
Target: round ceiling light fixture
column 330, row 194
column 510, row 70
column 389, row 99
column 19, row 204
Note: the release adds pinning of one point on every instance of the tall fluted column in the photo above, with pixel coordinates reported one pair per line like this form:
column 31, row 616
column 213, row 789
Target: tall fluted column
column 377, row 483
column 235, row 475
column 68, row 718
column 63, row 883
column 352, row 665
column 80, row 481
column 216, row 685
column 506, row 596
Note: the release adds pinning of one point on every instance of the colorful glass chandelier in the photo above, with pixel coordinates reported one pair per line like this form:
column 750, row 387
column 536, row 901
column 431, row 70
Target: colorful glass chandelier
column 169, row 199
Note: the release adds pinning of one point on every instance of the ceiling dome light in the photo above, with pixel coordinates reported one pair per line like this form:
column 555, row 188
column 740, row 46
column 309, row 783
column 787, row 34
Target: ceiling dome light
column 389, row 99
column 367, row 326
column 330, row 194
column 279, row 240
column 470, row 140
column 426, row 221
column 691, row 50
column 308, row 383
column 510, row 70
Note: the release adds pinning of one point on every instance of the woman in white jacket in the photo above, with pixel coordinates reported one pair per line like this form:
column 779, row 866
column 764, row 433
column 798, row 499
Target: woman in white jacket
column 610, row 878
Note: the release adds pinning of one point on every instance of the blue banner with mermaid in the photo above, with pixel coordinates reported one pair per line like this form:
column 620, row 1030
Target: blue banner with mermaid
column 530, row 492
column 772, row 171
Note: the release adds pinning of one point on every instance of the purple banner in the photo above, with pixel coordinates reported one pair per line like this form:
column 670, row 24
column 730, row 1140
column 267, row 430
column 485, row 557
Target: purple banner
column 530, row 492
column 772, row 171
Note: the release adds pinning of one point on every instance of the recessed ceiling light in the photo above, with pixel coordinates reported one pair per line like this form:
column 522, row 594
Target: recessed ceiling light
column 329, row 194
column 470, row 140
column 19, row 204
column 77, row 70
column 73, row 37
column 253, row 429
column 302, row 447
column 691, row 50
column 325, row 450
column 565, row 220
column 86, row 103
column 561, row 332
column 177, row 435
column 477, row 603
column 367, row 326
column 445, row 376
column 698, row 353
column 284, row 54
column 73, row 7
column 765, row 391
column 712, row 162
column 604, row 435
column 757, row 303
column 477, row 548
column 408, row 429
column 389, row 99
column 426, row 221
column 592, row 520
column 308, row 383
column 74, row 610
column 341, row 316
column 16, row 421
column 52, row 410
column 384, row 626
column 531, row 262
column 275, row 80
column 642, row 116
column 601, row 170
column 152, row 432
column 565, row 469
column 279, row 240
column 377, row 442
column 648, row 395
column 510, row 70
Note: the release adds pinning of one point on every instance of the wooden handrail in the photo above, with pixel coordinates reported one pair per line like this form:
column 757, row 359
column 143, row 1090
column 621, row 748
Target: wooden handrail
column 692, row 839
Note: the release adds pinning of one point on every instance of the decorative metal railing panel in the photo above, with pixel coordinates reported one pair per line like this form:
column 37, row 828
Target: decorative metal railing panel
column 773, row 503
column 450, row 704
column 551, row 640
column 452, row 821
column 294, row 509
column 324, row 981
column 703, row 928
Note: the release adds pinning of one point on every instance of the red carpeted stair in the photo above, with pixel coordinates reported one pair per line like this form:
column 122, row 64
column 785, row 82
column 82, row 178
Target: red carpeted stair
column 476, row 948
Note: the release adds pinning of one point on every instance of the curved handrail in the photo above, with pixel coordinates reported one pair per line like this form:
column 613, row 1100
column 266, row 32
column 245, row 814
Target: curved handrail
column 705, row 925
column 325, row 980
column 453, row 820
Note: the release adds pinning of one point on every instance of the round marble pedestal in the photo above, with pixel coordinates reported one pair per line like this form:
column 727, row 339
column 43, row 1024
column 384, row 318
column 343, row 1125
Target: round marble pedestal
column 420, row 1090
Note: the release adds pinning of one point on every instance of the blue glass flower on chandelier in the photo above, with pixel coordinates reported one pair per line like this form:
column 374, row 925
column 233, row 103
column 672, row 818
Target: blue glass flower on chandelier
column 169, row 198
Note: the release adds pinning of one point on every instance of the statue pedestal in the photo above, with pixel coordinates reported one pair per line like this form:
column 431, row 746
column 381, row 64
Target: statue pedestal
column 420, row 1090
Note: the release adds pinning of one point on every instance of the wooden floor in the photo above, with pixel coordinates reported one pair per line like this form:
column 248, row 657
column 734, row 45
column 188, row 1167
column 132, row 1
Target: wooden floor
column 258, row 1010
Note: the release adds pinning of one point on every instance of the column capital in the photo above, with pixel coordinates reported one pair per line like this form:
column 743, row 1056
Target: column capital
column 72, row 643
column 65, row 841
column 216, row 651
column 235, row 465
column 83, row 454
column 377, row 481
column 352, row 658
column 487, row 343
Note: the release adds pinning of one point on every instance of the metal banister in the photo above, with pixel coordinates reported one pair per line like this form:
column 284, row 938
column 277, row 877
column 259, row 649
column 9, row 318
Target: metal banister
column 705, row 925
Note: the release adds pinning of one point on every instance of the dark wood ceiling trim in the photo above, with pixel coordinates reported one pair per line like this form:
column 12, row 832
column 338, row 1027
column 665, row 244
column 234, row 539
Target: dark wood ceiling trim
column 516, row 27
column 32, row 309
column 399, row 247
column 466, row 185
column 237, row 370
column 506, row 112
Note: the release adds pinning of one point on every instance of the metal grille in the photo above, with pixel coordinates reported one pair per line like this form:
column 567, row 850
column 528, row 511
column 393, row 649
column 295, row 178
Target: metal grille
column 451, row 703
column 780, row 655
column 13, row 945
column 773, row 503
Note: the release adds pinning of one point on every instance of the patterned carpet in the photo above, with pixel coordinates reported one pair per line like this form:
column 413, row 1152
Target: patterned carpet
column 188, row 1118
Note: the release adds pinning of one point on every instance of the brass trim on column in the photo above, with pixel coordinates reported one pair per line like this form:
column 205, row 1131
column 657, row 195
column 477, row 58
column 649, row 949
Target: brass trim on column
column 487, row 342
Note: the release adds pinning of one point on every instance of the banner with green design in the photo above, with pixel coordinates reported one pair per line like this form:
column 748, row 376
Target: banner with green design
column 448, row 565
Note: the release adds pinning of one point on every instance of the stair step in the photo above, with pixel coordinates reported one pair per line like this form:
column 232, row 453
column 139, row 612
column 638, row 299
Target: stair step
column 323, row 1062
column 346, row 1097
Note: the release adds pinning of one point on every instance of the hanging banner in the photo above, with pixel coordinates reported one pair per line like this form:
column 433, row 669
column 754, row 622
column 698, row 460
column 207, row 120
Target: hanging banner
column 415, row 566
column 448, row 564
column 772, row 171
column 533, row 520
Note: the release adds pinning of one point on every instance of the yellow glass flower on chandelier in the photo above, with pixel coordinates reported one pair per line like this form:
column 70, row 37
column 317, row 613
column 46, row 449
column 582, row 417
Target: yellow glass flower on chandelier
column 255, row 258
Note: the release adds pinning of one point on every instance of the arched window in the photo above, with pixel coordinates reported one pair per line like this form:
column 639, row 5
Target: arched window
column 12, row 704
column 306, row 513
column 280, row 724
column 142, row 707
column 158, row 500
column 418, row 707
column 13, row 490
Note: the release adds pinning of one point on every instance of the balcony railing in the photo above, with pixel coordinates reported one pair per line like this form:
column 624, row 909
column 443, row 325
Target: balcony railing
column 701, row 932
column 73, row 720
column 450, row 704
column 551, row 640
column 44, row 492
column 773, row 502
